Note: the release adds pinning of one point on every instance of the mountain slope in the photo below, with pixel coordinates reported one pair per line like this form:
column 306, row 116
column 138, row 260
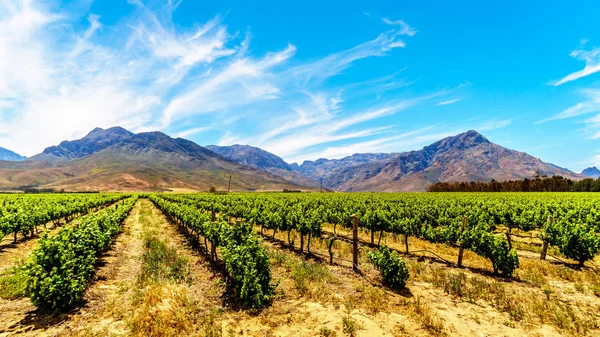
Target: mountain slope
column 465, row 157
column 118, row 160
column 8, row 155
column 251, row 156
column 591, row 172
column 324, row 168
column 97, row 140
column 263, row 160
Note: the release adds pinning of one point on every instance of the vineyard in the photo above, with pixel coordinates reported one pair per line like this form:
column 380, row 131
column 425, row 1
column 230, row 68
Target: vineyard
column 357, row 264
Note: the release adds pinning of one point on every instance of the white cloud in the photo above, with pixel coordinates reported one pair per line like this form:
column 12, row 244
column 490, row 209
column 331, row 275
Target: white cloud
column 58, row 81
column 243, row 82
column 405, row 29
column 58, row 84
column 448, row 102
column 589, row 105
column 409, row 141
column 592, row 64
column 494, row 124
column 23, row 66
column 322, row 69
column 289, row 145
column 192, row 131
column 395, row 143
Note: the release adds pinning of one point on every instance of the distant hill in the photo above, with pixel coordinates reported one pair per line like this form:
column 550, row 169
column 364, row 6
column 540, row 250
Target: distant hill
column 8, row 155
column 263, row 160
column 118, row 160
column 591, row 172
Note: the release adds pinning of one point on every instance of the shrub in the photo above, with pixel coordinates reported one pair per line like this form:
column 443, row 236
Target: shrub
column 580, row 243
column 392, row 267
column 247, row 263
column 488, row 245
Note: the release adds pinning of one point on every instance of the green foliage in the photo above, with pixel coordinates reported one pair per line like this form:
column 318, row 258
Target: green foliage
column 429, row 216
column 248, row 265
column 61, row 267
column 22, row 213
column 392, row 267
column 578, row 241
column 246, row 260
column 488, row 245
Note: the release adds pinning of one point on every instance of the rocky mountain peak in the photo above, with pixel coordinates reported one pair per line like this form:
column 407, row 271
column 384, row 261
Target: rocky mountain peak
column 459, row 142
column 97, row 140
column 592, row 172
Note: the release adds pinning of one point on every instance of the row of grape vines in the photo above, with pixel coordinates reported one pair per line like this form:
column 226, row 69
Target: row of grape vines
column 61, row 267
column 438, row 218
column 245, row 259
column 23, row 213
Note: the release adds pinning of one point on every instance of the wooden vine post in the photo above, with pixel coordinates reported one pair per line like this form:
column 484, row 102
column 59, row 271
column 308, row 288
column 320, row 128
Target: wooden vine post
column 213, row 252
column 461, row 247
column 545, row 242
column 355, row 242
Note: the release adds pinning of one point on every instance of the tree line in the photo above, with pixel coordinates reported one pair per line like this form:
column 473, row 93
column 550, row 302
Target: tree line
column 537, row 184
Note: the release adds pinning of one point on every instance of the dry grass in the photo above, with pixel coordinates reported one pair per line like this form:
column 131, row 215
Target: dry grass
column 427, row 317
column 522, row 304
column 537, row 295
column 13, row 283
column 164, row 302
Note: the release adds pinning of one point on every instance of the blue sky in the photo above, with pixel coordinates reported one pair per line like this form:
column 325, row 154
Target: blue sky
column 306, row 79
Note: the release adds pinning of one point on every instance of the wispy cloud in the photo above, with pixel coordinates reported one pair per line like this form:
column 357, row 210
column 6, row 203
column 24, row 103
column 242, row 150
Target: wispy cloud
column 494, row 124
column 589, row 105
column 192, row 131
column 62, row 82
column 322, row 69
column 305, row 132
column 58, row 80
column 405, row 29
column 406, row 141
column 592, row 64
column 448, row 102
column 242, row 82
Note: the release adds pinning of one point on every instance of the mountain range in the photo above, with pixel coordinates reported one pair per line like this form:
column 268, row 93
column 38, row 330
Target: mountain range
column 9, row 155
column 116, row 159
column 466, row 157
